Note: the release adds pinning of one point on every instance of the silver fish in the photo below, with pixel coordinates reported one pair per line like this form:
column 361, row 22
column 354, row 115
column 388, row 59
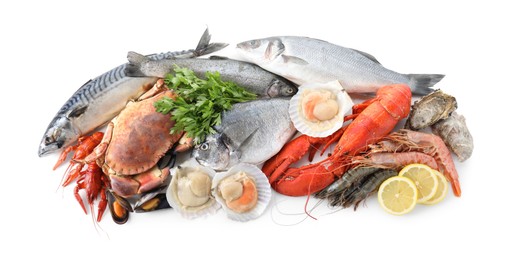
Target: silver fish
column 251, row 132
column 307, row 60
column 101, row 99
column 249, row 76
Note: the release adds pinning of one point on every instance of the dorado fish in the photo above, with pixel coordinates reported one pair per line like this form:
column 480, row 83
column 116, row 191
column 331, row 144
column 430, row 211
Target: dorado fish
column 249, row 76
column 307, row 60
column 251, row 132
column 101, row 99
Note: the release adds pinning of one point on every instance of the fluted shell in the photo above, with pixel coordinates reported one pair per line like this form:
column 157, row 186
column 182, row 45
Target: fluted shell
column 189, row 191
column 318, row 108
column 240, row 172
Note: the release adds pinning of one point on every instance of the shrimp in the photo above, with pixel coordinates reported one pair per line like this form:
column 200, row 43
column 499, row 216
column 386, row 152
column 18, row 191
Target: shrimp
column 355, row 186
column 367, row 187
column 351, row 176
column 411, row 144
column 395, row 160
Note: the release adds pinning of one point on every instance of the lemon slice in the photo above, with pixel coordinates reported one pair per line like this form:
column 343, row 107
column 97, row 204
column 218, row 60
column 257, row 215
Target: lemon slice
column 424, row 179
column 397, row 195
column 441, row 189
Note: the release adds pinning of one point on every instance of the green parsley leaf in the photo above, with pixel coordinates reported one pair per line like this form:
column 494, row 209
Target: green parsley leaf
column 199, row 102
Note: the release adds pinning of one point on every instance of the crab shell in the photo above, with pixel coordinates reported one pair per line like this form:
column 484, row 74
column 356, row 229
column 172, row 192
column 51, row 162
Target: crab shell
column 140, row 137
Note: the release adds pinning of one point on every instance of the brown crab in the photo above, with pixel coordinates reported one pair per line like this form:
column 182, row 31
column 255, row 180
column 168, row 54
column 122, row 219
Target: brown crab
column 134, row 142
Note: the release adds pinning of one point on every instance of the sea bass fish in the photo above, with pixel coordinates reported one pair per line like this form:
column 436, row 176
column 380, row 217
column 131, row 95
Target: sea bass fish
column 101, row 99
column 307, row 60
column 251, row 132
column 249, row 76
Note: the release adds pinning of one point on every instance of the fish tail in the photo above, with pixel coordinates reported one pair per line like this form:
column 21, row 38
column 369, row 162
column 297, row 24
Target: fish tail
column 421, row 84
column 204, row 47
column 133, row 68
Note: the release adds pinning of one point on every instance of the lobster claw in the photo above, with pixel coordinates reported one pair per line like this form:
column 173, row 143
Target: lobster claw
column 290, row 153
column 285, row 180
column 297, row 182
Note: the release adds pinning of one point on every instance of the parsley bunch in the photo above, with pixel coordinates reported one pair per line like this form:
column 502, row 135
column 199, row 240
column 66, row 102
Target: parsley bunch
column 199, row 102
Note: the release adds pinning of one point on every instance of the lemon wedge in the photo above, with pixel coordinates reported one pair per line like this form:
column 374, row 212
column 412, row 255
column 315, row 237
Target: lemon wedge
column 424, row 179
column 441, row 189
column 398, row 195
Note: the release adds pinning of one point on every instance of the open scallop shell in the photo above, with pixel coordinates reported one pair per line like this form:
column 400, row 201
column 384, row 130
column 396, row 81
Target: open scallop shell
column 209, row 208
column 321, row 128
column 261, row 183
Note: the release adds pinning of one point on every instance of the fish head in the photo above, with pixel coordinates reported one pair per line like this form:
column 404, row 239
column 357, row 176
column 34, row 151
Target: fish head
column 212, row 153
column 281, row 88
column 60, row 133
column 261, row 51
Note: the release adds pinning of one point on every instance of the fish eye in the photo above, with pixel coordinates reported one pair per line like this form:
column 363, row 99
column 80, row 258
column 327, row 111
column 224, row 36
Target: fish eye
column 204, row 146
column 49, row 139
column 290, row 90
column 254, row 44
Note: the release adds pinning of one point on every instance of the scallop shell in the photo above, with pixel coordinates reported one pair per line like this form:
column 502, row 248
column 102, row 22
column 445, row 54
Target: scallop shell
column 209, row 208
column 261, row 183
column 322, row 128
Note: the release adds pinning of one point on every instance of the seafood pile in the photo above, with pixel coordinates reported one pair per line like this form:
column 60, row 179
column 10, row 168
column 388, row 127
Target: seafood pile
column 204, row 135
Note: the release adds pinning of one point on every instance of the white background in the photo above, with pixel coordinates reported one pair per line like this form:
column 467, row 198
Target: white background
column 50, row 48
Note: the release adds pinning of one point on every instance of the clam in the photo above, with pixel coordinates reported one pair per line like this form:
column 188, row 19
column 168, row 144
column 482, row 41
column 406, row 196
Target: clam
column 189, row 191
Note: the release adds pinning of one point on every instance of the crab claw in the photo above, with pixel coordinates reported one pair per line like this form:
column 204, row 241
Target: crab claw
column 146, row 181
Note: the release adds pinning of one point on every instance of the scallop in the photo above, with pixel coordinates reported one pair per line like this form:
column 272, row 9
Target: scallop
column 189, row 192
column 318, row 108
column 243, row 192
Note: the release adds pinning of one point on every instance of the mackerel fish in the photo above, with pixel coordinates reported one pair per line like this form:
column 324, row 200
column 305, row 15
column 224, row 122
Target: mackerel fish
column 102, row 98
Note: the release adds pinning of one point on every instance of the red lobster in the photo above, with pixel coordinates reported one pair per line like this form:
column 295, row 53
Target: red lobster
column 372, row 120
column 91, row 179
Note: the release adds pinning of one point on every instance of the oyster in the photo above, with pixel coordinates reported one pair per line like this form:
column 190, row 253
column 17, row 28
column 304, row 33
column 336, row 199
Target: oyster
column 430, row 109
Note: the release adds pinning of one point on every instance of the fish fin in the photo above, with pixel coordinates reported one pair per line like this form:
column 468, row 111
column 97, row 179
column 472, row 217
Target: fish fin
column 136, row 58
column 421, row 84
column 204, row 41
column 294, row 59
column 77, row 111
column 367, row 55
column 133, row 68
column 213, row 47
column 234, row 144
column 274, row 49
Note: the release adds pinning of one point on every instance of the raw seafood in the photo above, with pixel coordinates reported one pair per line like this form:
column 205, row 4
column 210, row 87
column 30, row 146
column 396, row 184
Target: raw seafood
column 305, row 60
column 456, row 135
column 373, row 119
column 251, row 132
column 249, row 76
column 101, row 99
column 429, row 109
